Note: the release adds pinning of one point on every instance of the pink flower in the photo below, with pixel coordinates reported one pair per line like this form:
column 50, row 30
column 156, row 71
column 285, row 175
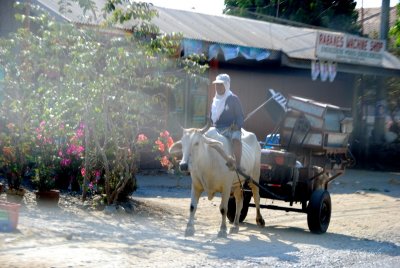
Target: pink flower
column 164, row 134
column 161, row 146
column 71, row 149
column 164, row 161
column 42, row 124
column 170, row 141
column 83, row 172
column 97, row 174
column 65, row 162
column 91, row 185
column 79, row 149
column 75, row 149
column 79, row 133
column 142, row 138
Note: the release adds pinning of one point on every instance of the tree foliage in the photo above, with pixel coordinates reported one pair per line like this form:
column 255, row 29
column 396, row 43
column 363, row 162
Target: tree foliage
column 112, row 86
column 338, row 15
column 394, row 82
column 394, row 33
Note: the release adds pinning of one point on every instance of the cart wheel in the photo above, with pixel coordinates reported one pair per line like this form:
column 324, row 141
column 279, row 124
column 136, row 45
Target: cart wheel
column 232, row 207
column 319, row 211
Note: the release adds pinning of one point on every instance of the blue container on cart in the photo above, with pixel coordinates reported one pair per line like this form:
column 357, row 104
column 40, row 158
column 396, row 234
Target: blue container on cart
column 271, row 140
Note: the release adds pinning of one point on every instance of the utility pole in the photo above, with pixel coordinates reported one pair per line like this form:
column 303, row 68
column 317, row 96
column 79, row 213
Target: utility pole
column 381, row 104
column 362, row 16
column 385, row 10
column 277, row 10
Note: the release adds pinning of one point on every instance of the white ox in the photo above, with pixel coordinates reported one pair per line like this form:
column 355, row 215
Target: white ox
column 205, row 154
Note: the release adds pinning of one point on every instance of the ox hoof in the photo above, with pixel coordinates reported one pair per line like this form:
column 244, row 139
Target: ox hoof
column 234, row 230
column 189, row 231
column 222, row 234
column 260, row 222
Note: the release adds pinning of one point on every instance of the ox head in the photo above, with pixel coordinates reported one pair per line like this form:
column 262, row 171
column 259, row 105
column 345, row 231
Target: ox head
column 191, row 139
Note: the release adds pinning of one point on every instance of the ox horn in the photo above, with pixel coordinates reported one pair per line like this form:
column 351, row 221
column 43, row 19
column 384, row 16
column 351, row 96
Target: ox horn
column 180, row 126
column 206, row 127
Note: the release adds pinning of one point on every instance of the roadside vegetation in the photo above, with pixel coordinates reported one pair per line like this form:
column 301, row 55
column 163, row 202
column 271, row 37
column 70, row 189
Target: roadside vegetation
column 80, row 103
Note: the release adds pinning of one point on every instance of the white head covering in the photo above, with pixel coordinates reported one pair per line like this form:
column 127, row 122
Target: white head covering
column 223, row 79
column 218, row 104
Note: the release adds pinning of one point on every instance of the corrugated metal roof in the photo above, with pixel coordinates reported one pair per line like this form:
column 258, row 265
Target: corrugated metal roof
column 224, row 29
column 297, row 43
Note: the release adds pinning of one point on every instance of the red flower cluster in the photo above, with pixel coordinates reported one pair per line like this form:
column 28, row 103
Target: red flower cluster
column 142, row 139
column 42, row 136
column 163, row 143
column 73, row 150
column 165, row 161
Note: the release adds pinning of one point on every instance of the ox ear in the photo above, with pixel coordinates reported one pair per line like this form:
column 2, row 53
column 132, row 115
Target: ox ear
column 176, row 149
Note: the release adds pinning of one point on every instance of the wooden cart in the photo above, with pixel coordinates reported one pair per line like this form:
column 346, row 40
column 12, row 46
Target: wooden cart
column 313, row 151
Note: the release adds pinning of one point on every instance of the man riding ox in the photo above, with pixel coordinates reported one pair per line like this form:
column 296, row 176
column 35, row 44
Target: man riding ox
column 208, row 152
column 207, row 155
column 227, row 114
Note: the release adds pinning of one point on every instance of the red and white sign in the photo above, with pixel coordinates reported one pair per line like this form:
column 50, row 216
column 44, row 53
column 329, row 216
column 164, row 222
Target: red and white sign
column 349, row 48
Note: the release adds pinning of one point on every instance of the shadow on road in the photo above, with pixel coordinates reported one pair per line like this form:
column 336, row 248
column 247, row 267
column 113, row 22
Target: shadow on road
column 286, row 243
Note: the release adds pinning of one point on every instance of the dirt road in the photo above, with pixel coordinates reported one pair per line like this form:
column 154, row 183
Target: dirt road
column 364, row 231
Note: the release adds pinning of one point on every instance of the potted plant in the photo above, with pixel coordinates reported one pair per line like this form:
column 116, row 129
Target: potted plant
column 70, row 158
column 44, row 180
column 45, row 163
column 15, row 192
column 12, row 162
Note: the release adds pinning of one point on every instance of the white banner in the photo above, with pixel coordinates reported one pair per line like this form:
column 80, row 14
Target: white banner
column 315, row 70
column 349, row 48
column 323, row 69
column 332, row 71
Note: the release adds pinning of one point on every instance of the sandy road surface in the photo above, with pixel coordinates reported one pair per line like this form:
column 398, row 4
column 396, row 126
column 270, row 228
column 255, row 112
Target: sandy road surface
column 364, row 231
